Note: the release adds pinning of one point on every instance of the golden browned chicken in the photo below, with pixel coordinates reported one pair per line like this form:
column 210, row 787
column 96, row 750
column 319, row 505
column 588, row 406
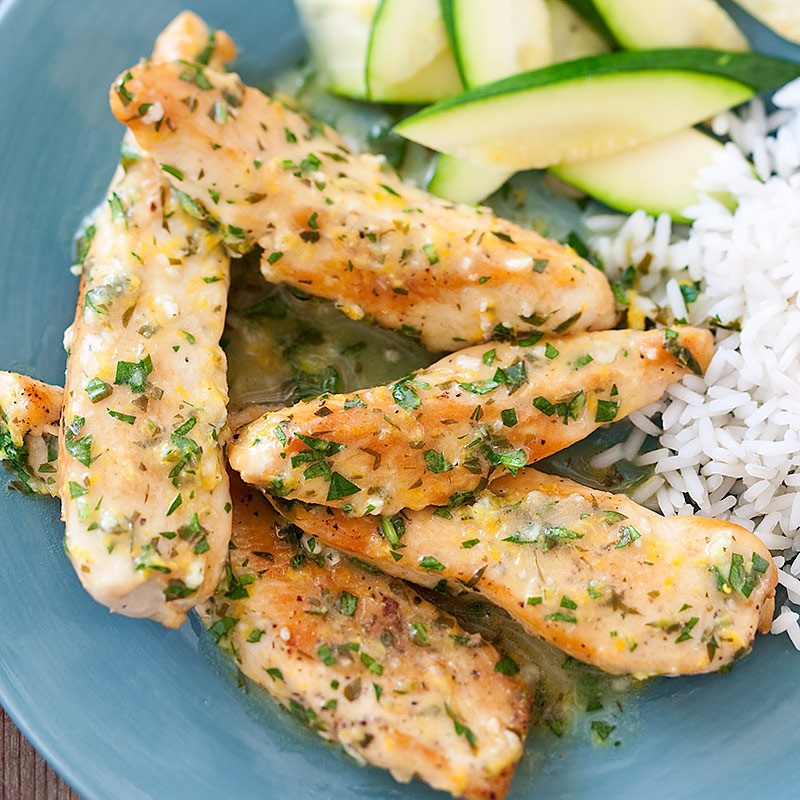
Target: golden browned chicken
column 141, row 471
column 29, row 415
column 602, row 578
column 364, row 660
column 442, row 431
column 340, row 226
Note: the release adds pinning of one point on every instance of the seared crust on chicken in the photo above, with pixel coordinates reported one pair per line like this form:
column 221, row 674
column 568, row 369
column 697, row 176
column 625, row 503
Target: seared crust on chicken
column 364, row 660
column 340, row 226
column 443, row 431
column 602, row 578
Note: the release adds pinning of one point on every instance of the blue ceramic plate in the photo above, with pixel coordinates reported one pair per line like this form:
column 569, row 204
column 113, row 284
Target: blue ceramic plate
column 125, row 709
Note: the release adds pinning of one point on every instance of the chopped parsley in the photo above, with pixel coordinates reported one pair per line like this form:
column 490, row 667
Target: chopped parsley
column 507, row 666
column 134, row 374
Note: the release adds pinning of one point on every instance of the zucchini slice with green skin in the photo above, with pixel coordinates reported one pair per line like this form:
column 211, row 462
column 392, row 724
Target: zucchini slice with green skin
column 464, row 182
column 493, row 40
column 658, row 176
column 587, row 11
column 592, row 107
column 409, row 58
column 497, row 41
column 338, row 34
column 572, row 35
column 639, row 25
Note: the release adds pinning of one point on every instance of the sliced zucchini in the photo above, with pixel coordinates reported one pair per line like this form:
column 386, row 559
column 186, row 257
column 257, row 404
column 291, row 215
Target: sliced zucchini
column 463, row 182
column 586, row 10
column 783, row 16
column 648, row 24
column 409, row 58
column 571, row 35
column 592, row 107
column 493, row 40
column 338, row 34
column 658, row 176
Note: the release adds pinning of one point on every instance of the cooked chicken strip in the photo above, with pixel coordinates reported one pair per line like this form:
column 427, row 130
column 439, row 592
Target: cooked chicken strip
column 340, row 226
column 188, row 38
column 365, row 660
column 29, row 415
column 602, row 578
column 141, row 472
column 496, row 407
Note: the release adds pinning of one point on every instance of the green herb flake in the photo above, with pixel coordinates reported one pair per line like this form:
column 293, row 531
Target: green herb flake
column 627, row 536
column 488, row 357
column 506, row 666
column 117, row 210
column 371, row 664
column 436, row 462
column 509, row 417
column 430, row 563
column 76, row 490
column 221, row 627
column 175, row 504
column 340, row 487
column 134, row 374
column 539, row 264
column 566, row 602
column 255, row 635
column 348, row 603
column 550, row 351
column 127, row 418
column 98, row 390
column 431, row 253
column 272, row 258
column 469, row 543
column 405, row 396
column 685, row 631
column 420, row 633
column 461, row 729
column 371, row 568
column 324, row 652
column 606, row 411
column 602, row 729
column 582, row 361
column 544, row 405
column 535, row 601
column 80, row 449
column 561, row 616
column 174, row 171
column 481, row 387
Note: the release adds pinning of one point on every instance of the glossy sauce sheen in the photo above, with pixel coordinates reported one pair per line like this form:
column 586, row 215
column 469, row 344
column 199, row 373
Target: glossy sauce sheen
column 365, row 660
column 141, row 471
column 598, row 576
column 486, row 410
column 340, row 226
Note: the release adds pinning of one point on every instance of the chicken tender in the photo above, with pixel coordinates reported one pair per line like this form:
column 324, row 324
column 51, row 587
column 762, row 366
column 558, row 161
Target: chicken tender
column 338, row 225
column 141, row 471
column 595, row 574
column 483, row 411
column 364, row 660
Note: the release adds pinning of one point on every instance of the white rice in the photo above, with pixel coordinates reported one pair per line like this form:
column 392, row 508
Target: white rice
column 730, row 442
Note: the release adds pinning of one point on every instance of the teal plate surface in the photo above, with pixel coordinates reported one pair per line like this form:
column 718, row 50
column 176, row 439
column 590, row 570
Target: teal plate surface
column 126, row 709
